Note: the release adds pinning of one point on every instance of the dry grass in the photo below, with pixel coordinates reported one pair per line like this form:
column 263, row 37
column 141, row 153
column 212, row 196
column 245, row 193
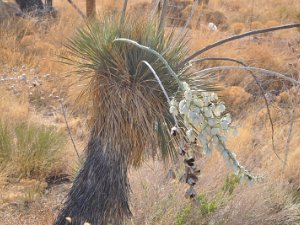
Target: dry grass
column 155, row 201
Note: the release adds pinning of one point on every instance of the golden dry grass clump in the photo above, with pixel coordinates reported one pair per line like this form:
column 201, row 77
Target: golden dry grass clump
column 24, row 42
column 237, row 28
column 236, row 98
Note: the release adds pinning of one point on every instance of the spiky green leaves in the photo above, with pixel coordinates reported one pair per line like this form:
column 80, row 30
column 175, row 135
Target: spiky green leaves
column 129, row 107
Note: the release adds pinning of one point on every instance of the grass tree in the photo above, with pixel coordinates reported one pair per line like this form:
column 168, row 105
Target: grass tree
column 130, row 113
column 145, row 99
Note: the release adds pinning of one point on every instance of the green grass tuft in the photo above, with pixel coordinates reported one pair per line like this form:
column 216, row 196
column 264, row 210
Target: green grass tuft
column 6, row 144
column 30, row 150
column 230, row 183
column 184, row 214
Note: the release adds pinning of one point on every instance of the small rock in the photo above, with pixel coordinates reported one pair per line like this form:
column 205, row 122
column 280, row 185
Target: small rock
column 31, row 71
column 22, row 77
column 46, row 76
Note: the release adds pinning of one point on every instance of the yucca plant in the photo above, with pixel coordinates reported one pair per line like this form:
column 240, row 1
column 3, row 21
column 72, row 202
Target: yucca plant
column 130, row 113
column 135, row 75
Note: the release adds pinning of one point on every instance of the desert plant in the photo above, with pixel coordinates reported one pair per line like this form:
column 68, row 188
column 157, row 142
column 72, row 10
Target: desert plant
column 231, row 182
column 37, row 151
column 184, row 214
column 131, row 70
column 194, row 212
column 130, row 115
column 30, row 150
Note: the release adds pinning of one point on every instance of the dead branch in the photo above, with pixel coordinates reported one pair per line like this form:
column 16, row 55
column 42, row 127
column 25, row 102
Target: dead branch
column 163, row 15
column 122, row 20
column 289, row 138
column 77, row 9
column 235, row 37
column 61, row 101
column 265, row 71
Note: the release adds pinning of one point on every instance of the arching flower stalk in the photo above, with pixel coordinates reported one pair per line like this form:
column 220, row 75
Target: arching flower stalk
column 130, row 116
column 205, row 124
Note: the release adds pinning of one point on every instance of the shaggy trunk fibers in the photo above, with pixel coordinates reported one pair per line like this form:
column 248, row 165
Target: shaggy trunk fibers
column 100, row 192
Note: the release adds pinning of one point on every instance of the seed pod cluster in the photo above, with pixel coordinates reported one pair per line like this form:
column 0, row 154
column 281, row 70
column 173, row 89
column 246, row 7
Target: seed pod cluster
column 206, row 125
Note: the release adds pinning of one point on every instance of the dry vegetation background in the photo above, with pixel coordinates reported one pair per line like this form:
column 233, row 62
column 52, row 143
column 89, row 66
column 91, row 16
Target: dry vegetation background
column 38, row 162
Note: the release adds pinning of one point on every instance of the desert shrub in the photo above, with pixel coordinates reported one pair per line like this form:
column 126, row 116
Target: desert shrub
column 206, row 206
column 38, row 150
column 30, row 150
column 183, row 215
column 231, row 182
column 193, row 213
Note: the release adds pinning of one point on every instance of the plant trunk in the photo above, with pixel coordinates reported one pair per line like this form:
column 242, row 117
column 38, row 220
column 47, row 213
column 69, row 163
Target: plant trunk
column 30, row 5
column 99, row 194
column 90, row 8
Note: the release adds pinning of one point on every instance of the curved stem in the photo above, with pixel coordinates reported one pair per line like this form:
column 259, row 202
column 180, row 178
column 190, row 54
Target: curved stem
column 122, row 20
column 267, row 72
column 161, row 86
column 164, row 61
column 163, row 16
column 158, row 80
column 235, row 37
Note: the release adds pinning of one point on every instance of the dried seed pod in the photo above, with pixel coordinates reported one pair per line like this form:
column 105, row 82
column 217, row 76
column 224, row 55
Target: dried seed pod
column 171, row 175
column 183, row 178
column 196, row 171
column 191, row 179
column 190, row 193
column 181, row 150
column 190, row 161
column 174, row 131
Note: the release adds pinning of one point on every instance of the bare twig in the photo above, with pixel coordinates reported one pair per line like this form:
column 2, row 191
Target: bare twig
column 67, row 124
column 196, row 2
column 235, row 37
column 156, row 3
column 258, row 84
column 251, row 16
column 265, row 71
column 122, row 20
column 289, row 138
column 77, row 9
column 287, row 146
column 163, row 15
